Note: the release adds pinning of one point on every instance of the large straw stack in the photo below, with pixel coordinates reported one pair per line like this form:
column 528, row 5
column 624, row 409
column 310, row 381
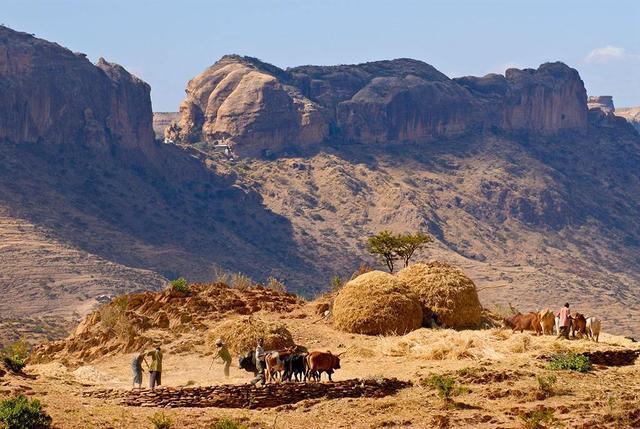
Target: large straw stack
column 376, row 303
column 446, row 291
column 241, row 334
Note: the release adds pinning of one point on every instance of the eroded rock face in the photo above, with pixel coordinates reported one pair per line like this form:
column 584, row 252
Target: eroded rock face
column 254, row 106
column 602, row 102
column 248, row 104
column 50, row 94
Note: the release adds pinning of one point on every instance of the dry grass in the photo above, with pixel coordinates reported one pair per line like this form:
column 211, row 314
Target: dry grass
column 446, row 291
column 241, row 334
column 376, row 303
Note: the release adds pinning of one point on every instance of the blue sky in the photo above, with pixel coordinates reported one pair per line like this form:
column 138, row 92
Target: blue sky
column 168, row 42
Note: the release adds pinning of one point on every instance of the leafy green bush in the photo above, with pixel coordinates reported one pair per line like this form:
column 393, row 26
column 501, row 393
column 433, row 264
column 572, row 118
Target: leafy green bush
column 161, row 421
column 444, row 385
column 227, row 423
column 180, row 285
column 570, row 361
column 336, row 283
column 14, row 356
column 20, row 413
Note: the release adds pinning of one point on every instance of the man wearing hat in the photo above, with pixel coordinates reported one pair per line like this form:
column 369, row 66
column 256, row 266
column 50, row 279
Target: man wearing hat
column 223, row 353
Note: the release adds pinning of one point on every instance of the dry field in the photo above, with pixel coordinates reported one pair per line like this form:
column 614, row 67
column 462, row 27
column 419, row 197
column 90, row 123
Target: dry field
column 498, row 368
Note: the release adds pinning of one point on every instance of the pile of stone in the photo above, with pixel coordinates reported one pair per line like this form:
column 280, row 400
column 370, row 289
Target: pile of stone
column 613, row 357
column 250, row 396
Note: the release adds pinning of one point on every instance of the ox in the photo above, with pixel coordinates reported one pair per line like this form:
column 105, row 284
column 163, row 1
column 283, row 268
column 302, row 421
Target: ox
column 579, row 325
column 521, row 322
column 295, row 366
column 593, row 326
column 318, row 362
column 547, row 321
column 248, row 362
column 274, row 362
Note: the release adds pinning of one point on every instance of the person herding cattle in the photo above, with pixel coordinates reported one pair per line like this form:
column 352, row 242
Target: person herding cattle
column 260, row 359
column 564, row 322
column 223, row 353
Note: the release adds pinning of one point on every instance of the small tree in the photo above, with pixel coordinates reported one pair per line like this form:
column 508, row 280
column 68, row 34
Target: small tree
column 391, row 247
column 409, row 243
column 385, row 245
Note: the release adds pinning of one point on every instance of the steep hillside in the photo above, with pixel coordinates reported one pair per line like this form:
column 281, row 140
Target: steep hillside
column 538, row 202
column 631, row 114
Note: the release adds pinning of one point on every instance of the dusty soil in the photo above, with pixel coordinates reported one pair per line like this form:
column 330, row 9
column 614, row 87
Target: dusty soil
column 498, row 368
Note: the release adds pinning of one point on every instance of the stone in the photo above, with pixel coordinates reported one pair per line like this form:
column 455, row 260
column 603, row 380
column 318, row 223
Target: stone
column 602, row 102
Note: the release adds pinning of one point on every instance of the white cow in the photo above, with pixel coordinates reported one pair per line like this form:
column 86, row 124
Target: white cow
column 593, row 328
column 557, row 325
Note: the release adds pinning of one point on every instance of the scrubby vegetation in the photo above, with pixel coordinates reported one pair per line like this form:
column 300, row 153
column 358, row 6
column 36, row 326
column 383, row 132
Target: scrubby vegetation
column 241, row 281
column 546, row 385
column 570, row 361
column 22, row 413
column 228, row 423
column 275, row 284
column 445, row 386
column 538, row 418
column 161, row 421
column 180, row 285
column 14, row 356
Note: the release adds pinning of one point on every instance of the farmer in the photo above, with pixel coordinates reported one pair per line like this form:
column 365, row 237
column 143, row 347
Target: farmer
column 564, row 321
column 223, row 353
column 155, row 369
column 136, row 368
column 260, row 359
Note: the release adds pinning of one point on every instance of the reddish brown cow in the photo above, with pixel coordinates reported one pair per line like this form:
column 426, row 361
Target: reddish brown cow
column 274, row 362
column 521, row 322
column 579, row 325
column 317, row 362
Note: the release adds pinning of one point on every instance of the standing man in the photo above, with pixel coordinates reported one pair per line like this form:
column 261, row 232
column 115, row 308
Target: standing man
column 155, row 369
column 223, row 353
column 136, row 369
column 565, row 321
column 260, row 359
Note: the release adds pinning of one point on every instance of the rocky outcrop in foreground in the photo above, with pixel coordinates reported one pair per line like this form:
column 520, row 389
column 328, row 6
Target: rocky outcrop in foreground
column 256, row 107
column 50, row 94
column 250, row 396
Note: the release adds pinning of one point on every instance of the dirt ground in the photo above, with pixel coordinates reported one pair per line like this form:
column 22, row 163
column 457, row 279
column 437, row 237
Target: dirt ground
column 498, row 368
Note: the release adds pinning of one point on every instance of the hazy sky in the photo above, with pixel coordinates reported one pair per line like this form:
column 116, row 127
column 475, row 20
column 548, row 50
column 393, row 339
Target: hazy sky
column 166, row 43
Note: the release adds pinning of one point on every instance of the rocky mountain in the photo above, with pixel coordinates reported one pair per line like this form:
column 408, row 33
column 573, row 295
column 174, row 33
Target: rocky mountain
column 537, row 199
column 631, row 114
column 257, row 108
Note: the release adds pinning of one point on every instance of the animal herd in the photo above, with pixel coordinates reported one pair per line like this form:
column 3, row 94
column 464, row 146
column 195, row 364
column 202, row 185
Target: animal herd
column 290, row 365
column 547, row 323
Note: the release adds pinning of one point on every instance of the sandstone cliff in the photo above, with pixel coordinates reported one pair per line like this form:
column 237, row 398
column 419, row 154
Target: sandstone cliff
column 254, row 106
column 602, row 102
column 631, row 114
column 50, row 94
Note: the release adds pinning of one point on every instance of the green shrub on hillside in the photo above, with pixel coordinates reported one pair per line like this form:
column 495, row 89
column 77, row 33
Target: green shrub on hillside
column 444, row 385
column 14, row 356
column 570, row 361
column 21, row 413
column 180, row 285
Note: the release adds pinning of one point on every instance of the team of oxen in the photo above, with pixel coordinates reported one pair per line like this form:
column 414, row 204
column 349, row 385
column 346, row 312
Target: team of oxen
column 547, row 323
column 291, row 365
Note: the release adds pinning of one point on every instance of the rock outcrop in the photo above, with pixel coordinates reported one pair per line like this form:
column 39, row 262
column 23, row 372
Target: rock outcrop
column 631, row 114
column 256, row 107
column 602, row 102
column 50, row 94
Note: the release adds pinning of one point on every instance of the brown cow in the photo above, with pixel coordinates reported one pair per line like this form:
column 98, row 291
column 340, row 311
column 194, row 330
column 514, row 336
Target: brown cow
column 520, row 322
column 547, row 321
column 274, row 362
column 317, row 362
column 579, row 325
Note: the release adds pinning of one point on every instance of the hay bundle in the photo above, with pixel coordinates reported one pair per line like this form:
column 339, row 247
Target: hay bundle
column 446, row 291
column 241, row 334
column 376, row 303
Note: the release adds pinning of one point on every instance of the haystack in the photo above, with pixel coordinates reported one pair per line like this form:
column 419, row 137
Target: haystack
column 241, row 334
column 376, row 303
column 446, row 291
